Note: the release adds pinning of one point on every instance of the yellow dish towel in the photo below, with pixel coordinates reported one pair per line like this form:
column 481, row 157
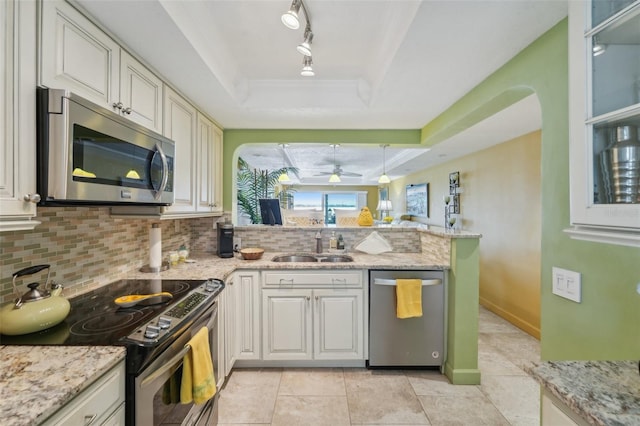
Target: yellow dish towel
column 408, row 298
column 198, row 378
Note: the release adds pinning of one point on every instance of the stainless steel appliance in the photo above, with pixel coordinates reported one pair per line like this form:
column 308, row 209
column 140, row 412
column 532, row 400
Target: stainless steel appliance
column 620, row 166
column 411, row 342
column 89, row 155
column 225, row 240
column 154, row 332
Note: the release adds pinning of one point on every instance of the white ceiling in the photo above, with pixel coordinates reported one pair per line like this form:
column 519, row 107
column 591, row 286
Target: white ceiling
column 380, row 64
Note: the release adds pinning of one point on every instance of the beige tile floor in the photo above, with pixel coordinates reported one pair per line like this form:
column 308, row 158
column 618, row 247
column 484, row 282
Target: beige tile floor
column 357, row 396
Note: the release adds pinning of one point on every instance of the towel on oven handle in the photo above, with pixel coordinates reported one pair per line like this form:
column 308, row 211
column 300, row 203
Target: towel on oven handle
column 198, row 378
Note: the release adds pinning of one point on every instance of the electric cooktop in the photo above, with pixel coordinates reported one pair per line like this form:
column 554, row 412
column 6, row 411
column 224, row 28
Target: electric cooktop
column 94, row 318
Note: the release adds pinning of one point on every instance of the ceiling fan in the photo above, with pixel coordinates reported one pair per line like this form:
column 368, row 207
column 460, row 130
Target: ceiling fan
column 337, row 170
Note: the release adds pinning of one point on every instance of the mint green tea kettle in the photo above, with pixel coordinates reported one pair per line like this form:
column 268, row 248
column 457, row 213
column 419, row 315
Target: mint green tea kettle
column 35, row 310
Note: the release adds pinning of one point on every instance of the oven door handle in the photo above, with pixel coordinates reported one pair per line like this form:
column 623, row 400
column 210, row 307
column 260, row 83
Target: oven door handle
column 166, row 367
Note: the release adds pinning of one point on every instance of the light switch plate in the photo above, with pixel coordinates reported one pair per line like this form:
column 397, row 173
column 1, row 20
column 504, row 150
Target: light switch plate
column 566, row 284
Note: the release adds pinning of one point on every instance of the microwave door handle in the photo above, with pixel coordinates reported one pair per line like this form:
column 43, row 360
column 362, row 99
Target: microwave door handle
column 165, row 171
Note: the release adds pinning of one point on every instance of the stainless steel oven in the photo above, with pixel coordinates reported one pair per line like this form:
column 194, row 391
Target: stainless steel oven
column 154, row 332
column 153, row 407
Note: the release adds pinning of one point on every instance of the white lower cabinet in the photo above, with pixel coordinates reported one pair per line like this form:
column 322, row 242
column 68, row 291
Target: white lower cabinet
column 556, row 413
column 231, row 313
column 102, row 403
column 322, row 321
column 338, row 324
column 286, row 324
column 239, row 321
column 247, row 287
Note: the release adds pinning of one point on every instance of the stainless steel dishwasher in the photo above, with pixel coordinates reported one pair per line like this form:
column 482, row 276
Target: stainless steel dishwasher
column 411, row 342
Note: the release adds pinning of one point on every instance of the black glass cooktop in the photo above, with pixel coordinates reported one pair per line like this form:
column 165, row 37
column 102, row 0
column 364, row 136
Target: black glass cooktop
column 94, row 318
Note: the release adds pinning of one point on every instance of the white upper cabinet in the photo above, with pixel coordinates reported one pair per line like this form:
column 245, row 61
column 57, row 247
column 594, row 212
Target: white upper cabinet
column 17, row 115
column 604, row 121
column 140, row 93
column 197, row 172
column 180, row 119
column 209, row 166
column 78, row 56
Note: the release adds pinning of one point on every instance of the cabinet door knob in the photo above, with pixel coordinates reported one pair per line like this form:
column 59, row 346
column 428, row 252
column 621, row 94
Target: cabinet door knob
column 117, row 105
column 89, row 419
column 308, row 298
column 317, row 298
column 127, row 110
column 32, row 198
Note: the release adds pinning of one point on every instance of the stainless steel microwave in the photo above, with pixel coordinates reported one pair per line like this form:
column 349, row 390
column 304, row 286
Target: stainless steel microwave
column 88, row 155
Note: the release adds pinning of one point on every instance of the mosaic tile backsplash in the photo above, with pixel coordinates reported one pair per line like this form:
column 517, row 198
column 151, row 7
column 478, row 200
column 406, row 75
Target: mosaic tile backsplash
column 87, row 248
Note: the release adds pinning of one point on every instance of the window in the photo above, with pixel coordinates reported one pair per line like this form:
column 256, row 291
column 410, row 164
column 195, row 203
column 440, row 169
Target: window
column 327, row 201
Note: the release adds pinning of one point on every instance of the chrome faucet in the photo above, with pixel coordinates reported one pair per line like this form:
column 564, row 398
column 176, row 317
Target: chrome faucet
column 318, row 242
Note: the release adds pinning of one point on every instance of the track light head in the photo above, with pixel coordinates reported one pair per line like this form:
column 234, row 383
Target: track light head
column 290, row 18
column 305, row 46
column 307, row 70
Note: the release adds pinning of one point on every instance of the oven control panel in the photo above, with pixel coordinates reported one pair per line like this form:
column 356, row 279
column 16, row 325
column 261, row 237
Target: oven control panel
column 165, row 323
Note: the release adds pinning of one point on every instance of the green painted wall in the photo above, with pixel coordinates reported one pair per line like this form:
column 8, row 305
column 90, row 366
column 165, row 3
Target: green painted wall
column 606, row 325
column 461, row 366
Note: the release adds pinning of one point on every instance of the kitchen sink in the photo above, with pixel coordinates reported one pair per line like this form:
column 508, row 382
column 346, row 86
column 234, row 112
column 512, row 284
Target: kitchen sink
column 335, row 258
column 310, row 258
column 294, row 258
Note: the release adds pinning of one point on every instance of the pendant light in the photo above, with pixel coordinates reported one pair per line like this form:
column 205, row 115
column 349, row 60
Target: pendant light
column 384, row 178
column 284, row 177
column 334, row 178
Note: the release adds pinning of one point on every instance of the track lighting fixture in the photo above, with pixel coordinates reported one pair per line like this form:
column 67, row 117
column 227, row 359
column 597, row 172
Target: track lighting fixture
column 384, row 178
column 307, row 70
column 305, row 46
column 290, row 18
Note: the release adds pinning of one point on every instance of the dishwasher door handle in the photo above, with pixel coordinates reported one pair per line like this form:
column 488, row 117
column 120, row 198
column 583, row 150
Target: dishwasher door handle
column 381, row 281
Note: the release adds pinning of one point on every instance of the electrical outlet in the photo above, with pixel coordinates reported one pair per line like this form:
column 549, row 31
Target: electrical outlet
column 237, row 243
column 566, row 284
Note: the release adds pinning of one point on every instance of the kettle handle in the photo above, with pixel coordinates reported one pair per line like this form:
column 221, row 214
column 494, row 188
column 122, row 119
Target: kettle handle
column 30, row 270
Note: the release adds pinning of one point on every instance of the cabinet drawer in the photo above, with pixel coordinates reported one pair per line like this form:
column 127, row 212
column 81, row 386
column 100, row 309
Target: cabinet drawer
column 313, row 279
column 96, row 403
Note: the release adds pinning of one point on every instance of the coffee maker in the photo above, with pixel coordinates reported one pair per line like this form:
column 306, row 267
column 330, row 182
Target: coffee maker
column 225, row 240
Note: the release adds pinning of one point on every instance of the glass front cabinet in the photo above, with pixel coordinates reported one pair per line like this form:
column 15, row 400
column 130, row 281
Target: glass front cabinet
column 604, row 120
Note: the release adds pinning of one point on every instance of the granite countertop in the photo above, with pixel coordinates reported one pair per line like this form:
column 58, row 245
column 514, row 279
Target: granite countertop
column 214, row 267
column 601, row 392
column 34, row 384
